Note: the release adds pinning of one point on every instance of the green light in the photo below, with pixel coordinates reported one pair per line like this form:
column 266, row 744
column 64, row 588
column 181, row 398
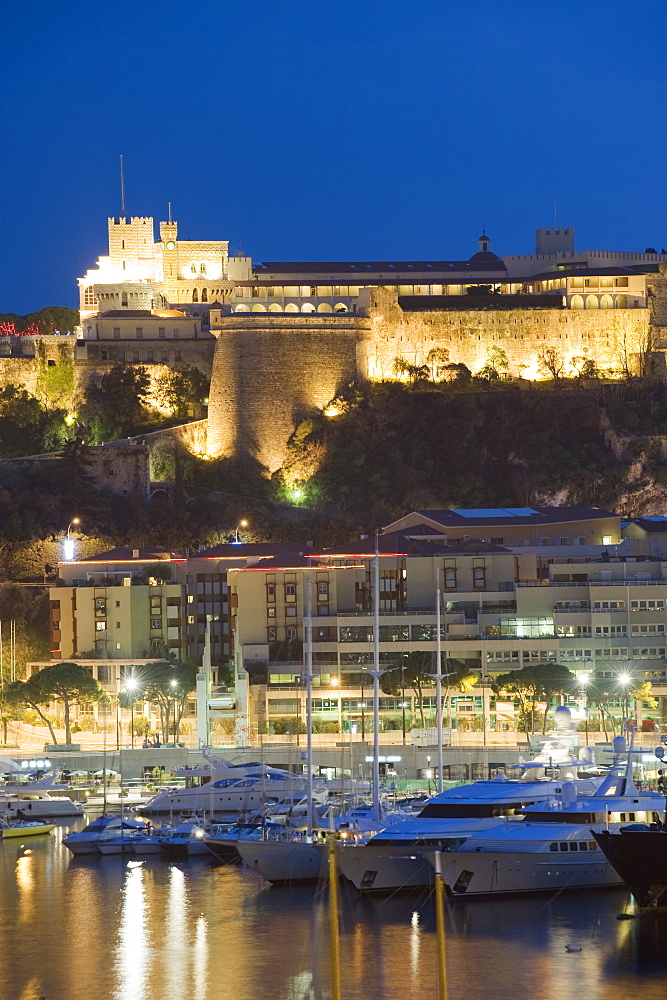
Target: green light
column 297, row 493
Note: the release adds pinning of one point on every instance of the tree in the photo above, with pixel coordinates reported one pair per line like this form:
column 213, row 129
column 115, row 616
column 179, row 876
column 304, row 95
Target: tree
column 415, row 373
column 550, row 361
column 532, row 684
column 69, row 684
column 183, row 391
column 7, row 712
column 437, row 358
column 114, row 402
column 413, row 672
column 496, row 365
column 22, row 694
column 167, row 685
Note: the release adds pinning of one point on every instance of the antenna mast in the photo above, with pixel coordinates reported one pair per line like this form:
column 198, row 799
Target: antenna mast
column 169, row 203
column 122, row 187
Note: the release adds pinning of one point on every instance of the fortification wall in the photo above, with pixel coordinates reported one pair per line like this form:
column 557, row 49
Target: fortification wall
column 612, row 338
column 269, row 371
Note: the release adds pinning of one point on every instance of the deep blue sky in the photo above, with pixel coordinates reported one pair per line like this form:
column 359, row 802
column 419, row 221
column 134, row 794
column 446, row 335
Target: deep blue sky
column 305, row 130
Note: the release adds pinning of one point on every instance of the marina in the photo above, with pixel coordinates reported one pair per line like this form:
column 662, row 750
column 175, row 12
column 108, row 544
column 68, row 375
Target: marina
column 119, row 927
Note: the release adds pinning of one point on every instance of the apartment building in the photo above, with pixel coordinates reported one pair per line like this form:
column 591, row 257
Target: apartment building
column 543, row 597
column 518, row 586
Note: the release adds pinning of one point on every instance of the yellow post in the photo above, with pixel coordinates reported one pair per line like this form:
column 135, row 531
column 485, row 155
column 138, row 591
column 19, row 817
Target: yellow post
column 440, row 928
column 333, row 920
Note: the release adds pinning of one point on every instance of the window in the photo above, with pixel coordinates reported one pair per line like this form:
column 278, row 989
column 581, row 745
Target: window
column 450, row 578
column 291, row 633
column 613, row 630
column 270, row 612
column 322, row 589
column 101, row 625
column 117, row 624
column 104, row 673
column 156, row 623
column 161, row 333
column 177, row 355
column 646, row 605
column 608, row 605
column 270, row 592
column 479, row 577
column 135, row 356
column 271, row 634
column 139, row 333
column 116, row 333
column 646, row 629
column 497, row 541
column 290, row 612
column 290, row 592
column 100, row 606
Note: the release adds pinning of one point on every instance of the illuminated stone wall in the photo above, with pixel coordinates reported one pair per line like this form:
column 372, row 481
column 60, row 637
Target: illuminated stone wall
column 611, row 338
column 269, row 371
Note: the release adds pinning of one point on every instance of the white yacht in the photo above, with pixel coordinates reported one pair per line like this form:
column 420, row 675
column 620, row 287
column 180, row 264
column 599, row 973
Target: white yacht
column 286, row 857
column 225, row 791
column 552, row 847
column 393, row 859
column 36, row 803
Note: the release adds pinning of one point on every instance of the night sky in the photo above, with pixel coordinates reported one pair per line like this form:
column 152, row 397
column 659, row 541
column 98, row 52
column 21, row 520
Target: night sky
column 302, row 130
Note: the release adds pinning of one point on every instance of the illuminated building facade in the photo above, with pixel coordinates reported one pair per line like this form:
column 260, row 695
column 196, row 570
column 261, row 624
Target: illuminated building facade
column 519, row 586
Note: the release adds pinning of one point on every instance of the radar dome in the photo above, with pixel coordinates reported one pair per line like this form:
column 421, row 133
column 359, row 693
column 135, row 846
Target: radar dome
column 562, row 717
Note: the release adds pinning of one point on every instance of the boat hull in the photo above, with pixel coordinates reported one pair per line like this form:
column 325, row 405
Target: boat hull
column 480, row 874
column 386, row 868
column 285, row 862
column 26, row 830
column 640, row 859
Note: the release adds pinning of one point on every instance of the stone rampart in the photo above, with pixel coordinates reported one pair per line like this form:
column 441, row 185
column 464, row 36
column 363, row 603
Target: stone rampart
column 269, row 371
column 611, row 338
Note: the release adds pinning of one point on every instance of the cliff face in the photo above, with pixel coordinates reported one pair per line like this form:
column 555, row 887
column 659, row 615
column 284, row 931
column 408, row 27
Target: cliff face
column 402, row 448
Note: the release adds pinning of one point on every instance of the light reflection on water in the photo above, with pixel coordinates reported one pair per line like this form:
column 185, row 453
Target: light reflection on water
column 113, row 929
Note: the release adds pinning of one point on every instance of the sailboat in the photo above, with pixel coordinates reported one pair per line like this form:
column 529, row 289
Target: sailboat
column 305, row 858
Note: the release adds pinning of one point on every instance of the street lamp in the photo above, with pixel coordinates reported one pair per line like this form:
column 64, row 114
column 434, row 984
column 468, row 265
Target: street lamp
column 69, row 542
column 583, row 702
column 241, row 524
column 131, row 686
column 624, row 681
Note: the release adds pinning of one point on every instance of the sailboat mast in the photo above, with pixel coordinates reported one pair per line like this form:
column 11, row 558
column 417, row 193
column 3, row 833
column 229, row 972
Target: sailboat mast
column 376, row 682
column 309, row 703
column 438, row 682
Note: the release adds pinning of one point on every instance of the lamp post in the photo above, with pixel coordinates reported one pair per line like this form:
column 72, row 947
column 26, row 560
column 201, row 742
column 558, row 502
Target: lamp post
column 69, row 544
column 174, row 686
column 241, row 524
column 403, row 698
column 363, row 708
column 624, row 681
column 583, row 703
column 131, row 686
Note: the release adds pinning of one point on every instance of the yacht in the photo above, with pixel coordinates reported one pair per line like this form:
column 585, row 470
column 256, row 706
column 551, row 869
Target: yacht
column 85, row 841
column 36, row 803
column 638, row 853
column 225, row 791
column 393, row 859
column 553, row 846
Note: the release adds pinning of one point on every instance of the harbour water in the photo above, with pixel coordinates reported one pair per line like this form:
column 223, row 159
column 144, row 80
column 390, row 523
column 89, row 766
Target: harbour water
column 113, row 928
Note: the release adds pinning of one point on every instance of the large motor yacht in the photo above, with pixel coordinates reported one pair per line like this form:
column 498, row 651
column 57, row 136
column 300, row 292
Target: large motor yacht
column 225, row 791
column 393, row 860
